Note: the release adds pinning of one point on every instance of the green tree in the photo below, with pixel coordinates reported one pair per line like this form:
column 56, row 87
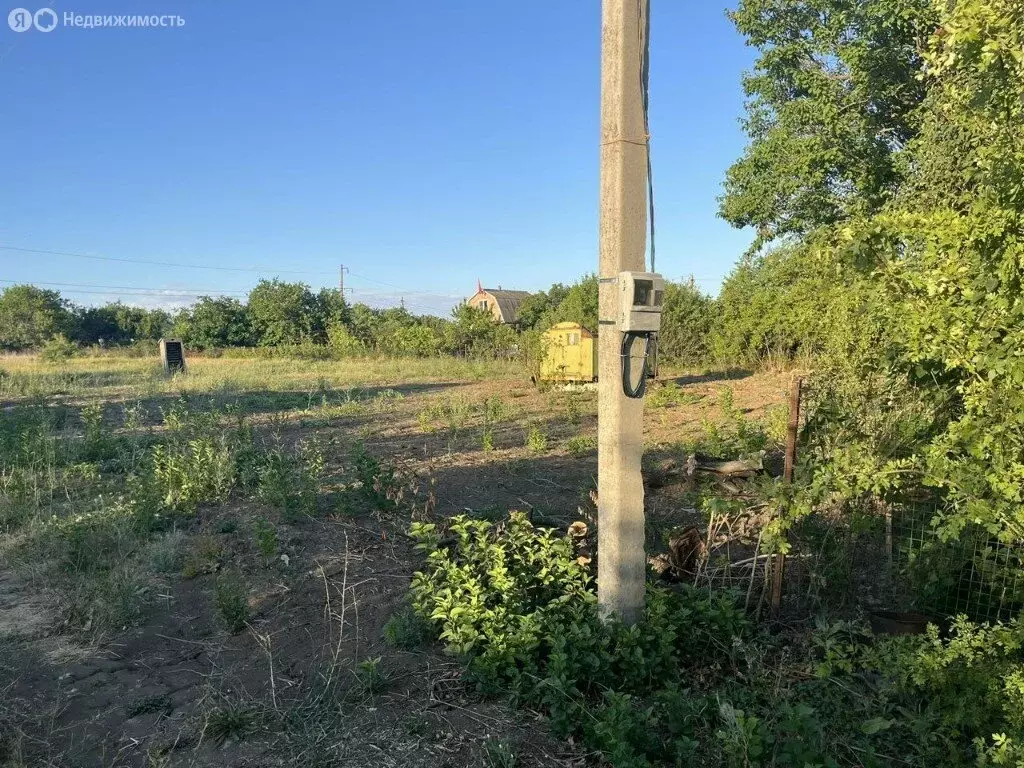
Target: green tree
column 686, row 322
column 332, row 309
column 215, row 322
column 472, row 331
column 833, row 101
column 153, row 325
column 419, row 340
column 92, row 324
column 536, row 309
column 951, row 253
column 29, row 316
column 579, row 304
column 283, row 313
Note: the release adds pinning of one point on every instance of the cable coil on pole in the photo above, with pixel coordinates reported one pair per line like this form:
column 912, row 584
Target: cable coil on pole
column 627, row 365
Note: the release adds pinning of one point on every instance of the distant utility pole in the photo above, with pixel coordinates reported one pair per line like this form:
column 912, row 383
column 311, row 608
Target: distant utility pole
column 622, row 566
column 341, row 279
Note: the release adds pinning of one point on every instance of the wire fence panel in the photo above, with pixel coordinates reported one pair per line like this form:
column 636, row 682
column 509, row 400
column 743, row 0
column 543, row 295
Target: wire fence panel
column 974, row 574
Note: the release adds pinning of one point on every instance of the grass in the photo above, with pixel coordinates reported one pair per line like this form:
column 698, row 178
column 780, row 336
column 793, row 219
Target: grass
column 232, row 601
column 406, row 630
column 371, row 676
column 500, row 754
column 229, row 722
column 124, row 492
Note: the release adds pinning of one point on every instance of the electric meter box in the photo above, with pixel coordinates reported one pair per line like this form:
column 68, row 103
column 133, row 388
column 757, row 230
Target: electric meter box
column 640, row 298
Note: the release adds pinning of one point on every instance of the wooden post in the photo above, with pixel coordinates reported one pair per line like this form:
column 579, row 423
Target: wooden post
column 622, row 566
column 779, row 561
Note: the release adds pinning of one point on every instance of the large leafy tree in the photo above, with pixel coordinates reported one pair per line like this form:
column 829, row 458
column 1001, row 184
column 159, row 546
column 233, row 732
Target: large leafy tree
column 119, row 323
column 833, row 101
column 686, row 323
column 215, row 322
column 951, row 253
column 283, row 313
column 29, row 316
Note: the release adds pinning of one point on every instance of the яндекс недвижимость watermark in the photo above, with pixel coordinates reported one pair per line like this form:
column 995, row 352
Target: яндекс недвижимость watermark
column 47, row 20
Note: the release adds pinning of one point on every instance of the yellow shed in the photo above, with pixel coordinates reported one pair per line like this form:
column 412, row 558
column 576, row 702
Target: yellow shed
column 570, row 354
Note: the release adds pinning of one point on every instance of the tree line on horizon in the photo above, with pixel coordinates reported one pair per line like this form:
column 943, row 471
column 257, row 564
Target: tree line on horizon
column 292, row 317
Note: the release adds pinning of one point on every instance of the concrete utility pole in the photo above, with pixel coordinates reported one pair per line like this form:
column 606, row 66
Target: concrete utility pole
column 622, row 565
column 341, row 279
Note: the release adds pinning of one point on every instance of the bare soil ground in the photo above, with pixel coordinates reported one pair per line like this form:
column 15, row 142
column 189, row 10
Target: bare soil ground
column 301, row 684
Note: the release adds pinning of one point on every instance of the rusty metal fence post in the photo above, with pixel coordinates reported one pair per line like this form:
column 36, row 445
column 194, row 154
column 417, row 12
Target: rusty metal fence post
column 779, row 560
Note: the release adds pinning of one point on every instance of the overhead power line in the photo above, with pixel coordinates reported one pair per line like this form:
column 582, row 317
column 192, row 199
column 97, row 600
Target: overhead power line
column 163, row 263
column 125, row 288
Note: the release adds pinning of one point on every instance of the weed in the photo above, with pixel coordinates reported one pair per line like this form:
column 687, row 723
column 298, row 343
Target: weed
column 572, row 409
column 379, row 484
column 266, row 537
column 671, row 394
column 232, row 601
column 500, row 754
column 203, row 557
column 424, row 419
column 226, row 525
column 488, row 439
column 515, row 601
column 58, row 349
column 147, row 705
column 370, row 676
column 165, row 555
column 536, row 440
column 199, row 471
column 108, row 600
column 229, row 722
column 406, row 629
column 581, row 445
column 417, row 725
column 290, row 479
column 99, row 444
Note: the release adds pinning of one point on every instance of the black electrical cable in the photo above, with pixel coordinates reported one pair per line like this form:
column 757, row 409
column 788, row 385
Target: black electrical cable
column 627, row 378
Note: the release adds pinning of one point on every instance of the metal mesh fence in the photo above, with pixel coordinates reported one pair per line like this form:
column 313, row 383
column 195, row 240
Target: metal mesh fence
column 894, row 558
column 974, row 574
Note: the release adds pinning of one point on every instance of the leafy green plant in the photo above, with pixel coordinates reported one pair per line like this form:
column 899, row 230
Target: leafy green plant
column 194, row 472
column 99, row 445
column 58, row 349
column 517, row 603
column 536, row 440
column 581, row 445
column 230, row 721
column 407, row 629
column 370, row 675
column 378, row 482
column 232, row 601
column 290, row 479
column 266, row 537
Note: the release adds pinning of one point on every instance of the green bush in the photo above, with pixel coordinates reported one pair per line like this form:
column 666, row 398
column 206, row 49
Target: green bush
column 289, row 479
column 581, row 445
column 58, row 349
column 691, row 684
column 515, row 601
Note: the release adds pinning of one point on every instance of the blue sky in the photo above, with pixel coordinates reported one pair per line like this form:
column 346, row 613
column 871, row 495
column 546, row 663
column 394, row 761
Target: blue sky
column 423, row 144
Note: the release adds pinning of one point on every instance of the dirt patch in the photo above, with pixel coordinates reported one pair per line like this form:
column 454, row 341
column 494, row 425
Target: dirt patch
column 310, row 679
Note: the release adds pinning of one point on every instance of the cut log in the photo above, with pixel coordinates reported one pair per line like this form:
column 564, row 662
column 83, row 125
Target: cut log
column 745, row 467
